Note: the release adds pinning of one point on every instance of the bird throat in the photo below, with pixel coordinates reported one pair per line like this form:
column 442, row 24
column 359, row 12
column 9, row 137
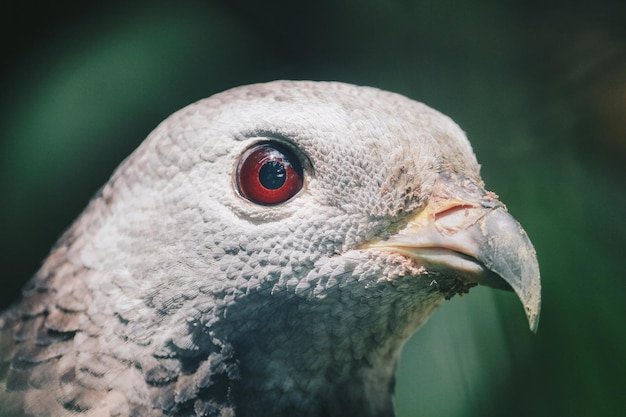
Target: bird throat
column 323, row 357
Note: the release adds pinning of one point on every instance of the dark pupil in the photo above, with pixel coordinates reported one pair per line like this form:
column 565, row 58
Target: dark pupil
column 272, row 175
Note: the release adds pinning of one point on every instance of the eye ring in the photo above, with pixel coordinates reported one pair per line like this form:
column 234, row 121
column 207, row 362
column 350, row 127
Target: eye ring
column 269, row 173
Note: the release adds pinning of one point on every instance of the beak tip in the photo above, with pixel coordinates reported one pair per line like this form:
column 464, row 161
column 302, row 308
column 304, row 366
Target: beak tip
column 533, row 313
column 532, row 306
column 534, row 324
column 530, row 291
column 514, row 259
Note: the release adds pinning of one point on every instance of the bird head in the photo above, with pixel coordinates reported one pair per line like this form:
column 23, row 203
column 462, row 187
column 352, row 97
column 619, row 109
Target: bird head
column 269, row 249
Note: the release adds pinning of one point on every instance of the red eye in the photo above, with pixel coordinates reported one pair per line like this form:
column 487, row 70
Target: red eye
column 269, row 174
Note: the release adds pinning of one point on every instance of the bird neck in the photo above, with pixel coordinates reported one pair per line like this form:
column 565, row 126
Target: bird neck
column 296, row 379
column 319, row 357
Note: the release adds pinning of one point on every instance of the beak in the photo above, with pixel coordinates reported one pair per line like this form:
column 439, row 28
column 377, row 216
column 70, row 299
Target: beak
column 471, row 236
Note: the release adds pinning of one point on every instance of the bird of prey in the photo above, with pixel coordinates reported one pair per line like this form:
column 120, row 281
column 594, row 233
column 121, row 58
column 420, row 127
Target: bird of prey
column 264, row 252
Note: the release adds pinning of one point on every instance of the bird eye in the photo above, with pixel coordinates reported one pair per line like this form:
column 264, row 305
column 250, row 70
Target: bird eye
column 269, row 174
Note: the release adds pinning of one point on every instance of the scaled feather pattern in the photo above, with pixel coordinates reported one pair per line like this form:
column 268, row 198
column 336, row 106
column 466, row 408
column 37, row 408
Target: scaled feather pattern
column 196, row 283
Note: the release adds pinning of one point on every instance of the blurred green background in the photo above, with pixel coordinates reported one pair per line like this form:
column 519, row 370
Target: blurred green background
column 539, row 87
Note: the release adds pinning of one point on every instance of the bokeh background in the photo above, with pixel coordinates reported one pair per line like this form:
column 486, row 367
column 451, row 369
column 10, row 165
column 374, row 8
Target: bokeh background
column 539, row 87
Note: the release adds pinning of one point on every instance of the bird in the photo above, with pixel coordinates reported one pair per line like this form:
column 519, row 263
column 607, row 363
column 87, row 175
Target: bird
column 266, row 251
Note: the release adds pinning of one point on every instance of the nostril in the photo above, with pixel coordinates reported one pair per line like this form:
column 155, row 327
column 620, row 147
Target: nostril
column 453, row 210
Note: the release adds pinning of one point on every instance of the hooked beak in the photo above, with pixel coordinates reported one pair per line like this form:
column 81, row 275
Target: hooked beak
column 473, row 237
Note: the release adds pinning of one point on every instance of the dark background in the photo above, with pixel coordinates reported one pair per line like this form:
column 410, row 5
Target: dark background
column 540, row 88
